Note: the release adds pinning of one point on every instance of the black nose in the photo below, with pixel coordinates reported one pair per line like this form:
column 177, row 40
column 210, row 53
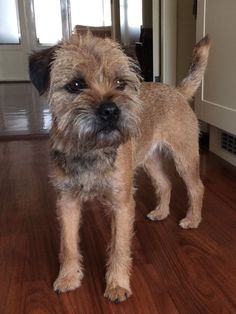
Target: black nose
column 108, row 111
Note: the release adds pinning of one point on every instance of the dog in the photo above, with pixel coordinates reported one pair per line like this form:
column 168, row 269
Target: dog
column 106, row 123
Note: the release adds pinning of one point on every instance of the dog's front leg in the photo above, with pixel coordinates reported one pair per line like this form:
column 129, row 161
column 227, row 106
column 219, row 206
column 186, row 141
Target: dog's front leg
column 119, row 262
column 69, row 215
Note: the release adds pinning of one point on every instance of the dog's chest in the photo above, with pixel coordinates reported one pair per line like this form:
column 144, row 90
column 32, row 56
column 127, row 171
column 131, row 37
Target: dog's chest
column 89, row 175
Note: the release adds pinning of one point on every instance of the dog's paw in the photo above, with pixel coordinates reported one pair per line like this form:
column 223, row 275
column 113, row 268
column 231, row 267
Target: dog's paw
column 189, row 223
column 67, row 282
column 156, row 214
column 117, row 294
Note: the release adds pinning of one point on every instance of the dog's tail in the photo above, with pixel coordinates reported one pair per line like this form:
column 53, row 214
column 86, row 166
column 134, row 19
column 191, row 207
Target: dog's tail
column 190, row 84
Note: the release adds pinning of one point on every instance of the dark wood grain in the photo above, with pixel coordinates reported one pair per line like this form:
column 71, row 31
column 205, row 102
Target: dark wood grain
column 175, row 270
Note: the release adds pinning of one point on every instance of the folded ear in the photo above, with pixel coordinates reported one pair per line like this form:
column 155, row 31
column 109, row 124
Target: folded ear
column 39, row 68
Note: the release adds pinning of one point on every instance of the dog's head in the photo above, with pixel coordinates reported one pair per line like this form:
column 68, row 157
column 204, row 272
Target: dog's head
column 93, row 91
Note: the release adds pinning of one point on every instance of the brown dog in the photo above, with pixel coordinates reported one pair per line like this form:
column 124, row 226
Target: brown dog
column 106, row 124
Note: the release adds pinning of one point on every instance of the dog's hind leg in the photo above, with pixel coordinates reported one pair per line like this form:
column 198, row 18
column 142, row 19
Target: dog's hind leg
column 187, row 165
column 154, row 167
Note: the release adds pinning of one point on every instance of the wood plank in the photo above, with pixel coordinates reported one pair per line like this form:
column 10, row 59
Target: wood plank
column 175, row 271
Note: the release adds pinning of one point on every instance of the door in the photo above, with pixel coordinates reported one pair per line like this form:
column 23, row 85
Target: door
column 13, row 41
column 25, row 26
column 216, row 100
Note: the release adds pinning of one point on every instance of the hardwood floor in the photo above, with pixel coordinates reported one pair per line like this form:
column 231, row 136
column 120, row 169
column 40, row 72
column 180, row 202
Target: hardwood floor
column 22, row 111
column 175, row 271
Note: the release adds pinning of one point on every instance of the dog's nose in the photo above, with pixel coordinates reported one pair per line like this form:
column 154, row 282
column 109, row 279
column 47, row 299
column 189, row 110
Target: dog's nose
column 108, row 111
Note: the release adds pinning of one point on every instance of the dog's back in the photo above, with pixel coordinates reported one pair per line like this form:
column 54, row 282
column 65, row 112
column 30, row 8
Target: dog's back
column 166, row 111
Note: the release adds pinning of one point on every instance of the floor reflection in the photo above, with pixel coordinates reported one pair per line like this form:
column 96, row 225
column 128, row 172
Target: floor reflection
column 22, row 111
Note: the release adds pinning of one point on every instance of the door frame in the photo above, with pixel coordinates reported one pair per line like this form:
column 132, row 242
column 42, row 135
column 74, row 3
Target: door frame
column 164, row 41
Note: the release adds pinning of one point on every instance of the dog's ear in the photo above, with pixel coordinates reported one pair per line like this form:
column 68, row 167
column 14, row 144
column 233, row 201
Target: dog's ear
column 39, row 68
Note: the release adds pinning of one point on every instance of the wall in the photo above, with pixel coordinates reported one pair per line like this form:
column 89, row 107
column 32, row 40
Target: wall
column 147, row 13
column 186, row 37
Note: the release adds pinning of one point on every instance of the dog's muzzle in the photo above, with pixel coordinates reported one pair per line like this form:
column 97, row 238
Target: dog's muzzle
column 108, row 114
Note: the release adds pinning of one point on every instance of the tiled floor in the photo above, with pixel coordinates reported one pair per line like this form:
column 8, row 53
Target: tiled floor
column 22, row 111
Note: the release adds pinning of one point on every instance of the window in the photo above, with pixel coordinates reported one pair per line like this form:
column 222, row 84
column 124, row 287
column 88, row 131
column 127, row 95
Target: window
column 48, row 21
column 90, row 13
column 130, row 20
column 9, row 27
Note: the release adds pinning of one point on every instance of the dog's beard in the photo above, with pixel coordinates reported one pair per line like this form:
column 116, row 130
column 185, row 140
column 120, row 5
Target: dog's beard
column 82, row 130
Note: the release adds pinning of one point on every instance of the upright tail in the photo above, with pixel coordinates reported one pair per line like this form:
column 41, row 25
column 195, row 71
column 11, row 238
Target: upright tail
column 190, row 84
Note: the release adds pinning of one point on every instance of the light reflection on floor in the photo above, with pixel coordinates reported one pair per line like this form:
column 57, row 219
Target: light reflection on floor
column 22, row 111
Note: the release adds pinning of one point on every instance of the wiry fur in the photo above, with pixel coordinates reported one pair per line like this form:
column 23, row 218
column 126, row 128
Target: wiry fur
column 191, row 83
column 78, row 120
column 88, row 161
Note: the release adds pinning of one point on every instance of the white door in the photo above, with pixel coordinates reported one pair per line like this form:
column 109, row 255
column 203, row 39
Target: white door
column 13, row 41
column 27, row 25
column 216, row 101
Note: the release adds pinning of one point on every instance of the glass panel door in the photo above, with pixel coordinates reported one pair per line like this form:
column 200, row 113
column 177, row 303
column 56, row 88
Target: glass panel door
column 130, row 20
column 90, row 13
column 9, row 22
column 48, row 21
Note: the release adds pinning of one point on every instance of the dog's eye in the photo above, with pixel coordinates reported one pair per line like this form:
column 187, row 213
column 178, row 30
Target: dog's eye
column 75, row 87
column 120, row 84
